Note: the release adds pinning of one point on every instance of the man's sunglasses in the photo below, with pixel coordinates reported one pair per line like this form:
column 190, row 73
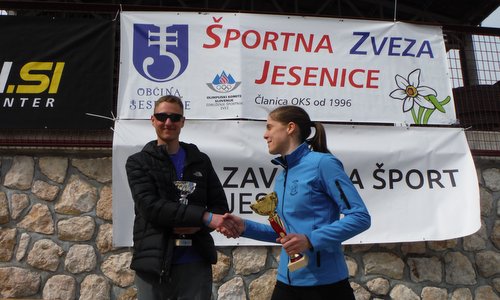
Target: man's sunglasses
column 162, row 117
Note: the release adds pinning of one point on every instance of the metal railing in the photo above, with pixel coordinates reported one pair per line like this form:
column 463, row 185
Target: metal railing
column 474, row 63
column 474, row 68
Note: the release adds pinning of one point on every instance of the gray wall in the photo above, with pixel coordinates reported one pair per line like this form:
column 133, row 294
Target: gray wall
column 55, row 242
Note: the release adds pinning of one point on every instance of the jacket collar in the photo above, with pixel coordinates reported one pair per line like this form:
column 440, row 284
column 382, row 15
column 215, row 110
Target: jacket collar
column 154, row 149
column 293, row 158
column 160, row 151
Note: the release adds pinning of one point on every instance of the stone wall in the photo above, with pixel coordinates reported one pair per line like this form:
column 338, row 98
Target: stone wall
column 55, row 243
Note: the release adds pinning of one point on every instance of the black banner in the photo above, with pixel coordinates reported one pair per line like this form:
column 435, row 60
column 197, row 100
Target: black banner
column 53, row 71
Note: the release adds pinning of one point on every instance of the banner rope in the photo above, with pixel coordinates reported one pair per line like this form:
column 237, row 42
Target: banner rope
column 112, row 118
column 395, row 9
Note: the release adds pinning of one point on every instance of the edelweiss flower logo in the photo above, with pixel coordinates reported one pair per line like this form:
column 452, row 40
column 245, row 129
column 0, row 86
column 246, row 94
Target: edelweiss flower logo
column 411, row 92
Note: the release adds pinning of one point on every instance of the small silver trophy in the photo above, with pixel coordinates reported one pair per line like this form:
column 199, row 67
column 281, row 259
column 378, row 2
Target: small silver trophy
column 186, row 188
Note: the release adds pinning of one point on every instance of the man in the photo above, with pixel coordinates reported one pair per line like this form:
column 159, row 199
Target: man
column 173, row 248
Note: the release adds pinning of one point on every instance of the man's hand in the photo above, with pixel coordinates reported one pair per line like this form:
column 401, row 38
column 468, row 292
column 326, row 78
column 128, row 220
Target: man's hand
column 294, row 243
column 231, row 226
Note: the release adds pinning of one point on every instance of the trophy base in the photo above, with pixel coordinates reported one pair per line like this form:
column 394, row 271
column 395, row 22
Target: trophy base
column 183, row 242
column 297, row 262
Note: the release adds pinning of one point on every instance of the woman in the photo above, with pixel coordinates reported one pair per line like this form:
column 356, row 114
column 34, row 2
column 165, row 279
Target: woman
column 313, row 191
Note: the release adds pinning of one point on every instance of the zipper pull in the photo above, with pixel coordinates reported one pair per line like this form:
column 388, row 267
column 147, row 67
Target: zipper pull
column 342, row 195
column 161, row 276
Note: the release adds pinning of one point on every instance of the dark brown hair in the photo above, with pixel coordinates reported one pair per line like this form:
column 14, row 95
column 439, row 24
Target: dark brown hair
column 297, row 115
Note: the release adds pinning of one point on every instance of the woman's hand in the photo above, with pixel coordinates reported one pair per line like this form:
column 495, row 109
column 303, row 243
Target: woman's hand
column 294, row 243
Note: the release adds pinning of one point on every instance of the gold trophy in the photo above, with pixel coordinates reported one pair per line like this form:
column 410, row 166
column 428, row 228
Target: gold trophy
column 266, row 206
column 186, row 188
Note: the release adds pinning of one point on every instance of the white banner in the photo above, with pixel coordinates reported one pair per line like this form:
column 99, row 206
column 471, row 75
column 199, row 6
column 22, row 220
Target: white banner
column 233, row 65
column 419, row 184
